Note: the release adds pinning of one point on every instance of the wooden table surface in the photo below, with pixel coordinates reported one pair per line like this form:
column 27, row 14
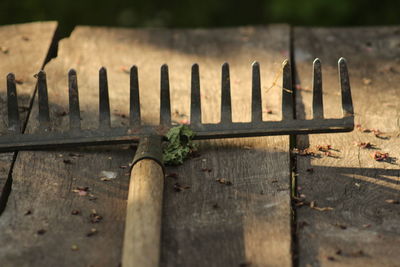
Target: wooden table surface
column 353, row 219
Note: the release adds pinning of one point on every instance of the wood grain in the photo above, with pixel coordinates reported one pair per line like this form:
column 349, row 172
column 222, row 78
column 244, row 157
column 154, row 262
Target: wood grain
column 362, row 229
column 143, row 220
column 23, row 50
column 209, row 224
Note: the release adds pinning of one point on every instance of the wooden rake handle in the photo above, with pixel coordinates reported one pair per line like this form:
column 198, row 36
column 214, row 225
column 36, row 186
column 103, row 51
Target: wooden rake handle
column 142, row 236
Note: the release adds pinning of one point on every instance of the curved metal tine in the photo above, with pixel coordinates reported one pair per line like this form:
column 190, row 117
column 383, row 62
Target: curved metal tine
column 134, row 103
column 104, row 103
column 74, row 112
column 195, row 100
column 226, row 107
column 347, row 102
column 256, row 102
column 165, row 105
column 44, row 117
column 287, row 92
column 14, row 124
column 317, row 106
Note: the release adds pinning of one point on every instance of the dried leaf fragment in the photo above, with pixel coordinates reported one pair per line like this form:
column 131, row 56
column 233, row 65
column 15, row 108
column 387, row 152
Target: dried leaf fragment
column 19, row 81
column 75, row 212
column 41, row 232
column 366, row 81
column 107, row 175
column 4, row 49
column 81, row 191
column 95, row 217
column 324, row 148
column 341, row 226
column 323, row 209
column 392, row 201
column 178, row 187
column 173, row 175
column 364, row 145
column 303, row 152
column 92, row 232
column 380, row 156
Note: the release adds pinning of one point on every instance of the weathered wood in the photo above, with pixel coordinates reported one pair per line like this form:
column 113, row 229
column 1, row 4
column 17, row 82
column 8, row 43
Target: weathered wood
column 143, row 220
column 209, row 224
column 23, row 50
column 362, row 229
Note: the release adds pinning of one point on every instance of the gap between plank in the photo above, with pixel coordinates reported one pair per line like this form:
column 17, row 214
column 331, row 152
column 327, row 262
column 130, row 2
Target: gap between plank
column 51, row 53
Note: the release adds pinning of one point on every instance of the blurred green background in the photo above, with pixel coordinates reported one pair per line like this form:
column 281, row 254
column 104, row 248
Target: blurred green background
column 201, row 13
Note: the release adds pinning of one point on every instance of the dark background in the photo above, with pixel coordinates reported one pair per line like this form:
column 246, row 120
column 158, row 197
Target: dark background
column 201, row 13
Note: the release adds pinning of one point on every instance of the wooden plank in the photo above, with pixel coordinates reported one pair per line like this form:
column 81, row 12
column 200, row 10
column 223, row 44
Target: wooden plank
column 23, row 50
column 208, row 224
column 362, row 229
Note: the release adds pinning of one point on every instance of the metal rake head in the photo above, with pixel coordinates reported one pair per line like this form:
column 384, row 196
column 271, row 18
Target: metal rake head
column 105, row 134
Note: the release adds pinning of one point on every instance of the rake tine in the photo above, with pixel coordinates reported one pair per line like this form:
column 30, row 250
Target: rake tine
column 195, row 103
column 134, row 108
column 74, row 112
column 226, row 109
column 104, row 103
column 44, row 117
column 14, row 123
column 165, row 105
column 318, row 106
column 256, row 102
column 287, row 92
column 347, row 102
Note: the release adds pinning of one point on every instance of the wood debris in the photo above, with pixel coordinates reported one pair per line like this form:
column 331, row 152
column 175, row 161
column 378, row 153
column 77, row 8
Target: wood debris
column 223, row 181
column 301, row 201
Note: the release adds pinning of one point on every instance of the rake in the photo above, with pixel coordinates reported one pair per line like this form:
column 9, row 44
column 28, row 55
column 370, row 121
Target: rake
column 143, row 221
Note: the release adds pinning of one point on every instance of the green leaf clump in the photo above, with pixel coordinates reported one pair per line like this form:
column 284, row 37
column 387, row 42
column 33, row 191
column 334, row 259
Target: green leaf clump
column 179, row 146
